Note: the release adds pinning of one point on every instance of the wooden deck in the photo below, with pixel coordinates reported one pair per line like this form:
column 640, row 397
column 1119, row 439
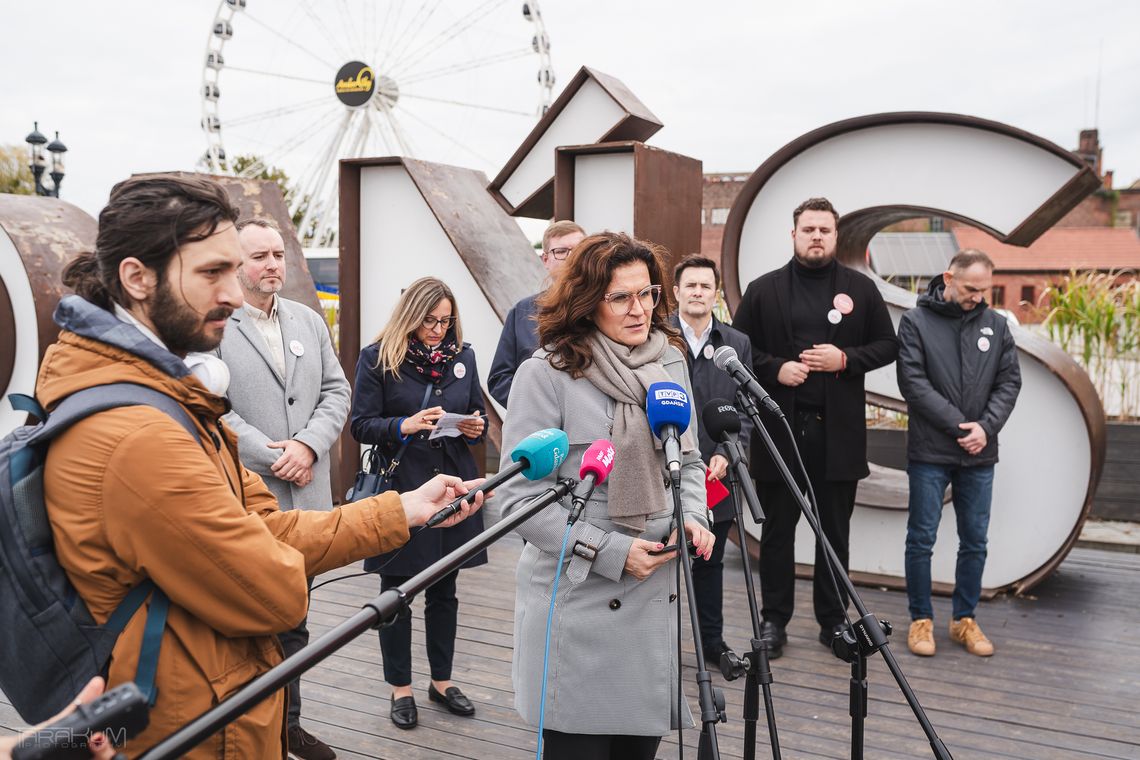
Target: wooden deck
column 1065, row 682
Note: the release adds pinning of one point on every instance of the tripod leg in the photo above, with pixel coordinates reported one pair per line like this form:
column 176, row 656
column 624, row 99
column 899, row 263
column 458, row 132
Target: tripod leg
column 858, row 705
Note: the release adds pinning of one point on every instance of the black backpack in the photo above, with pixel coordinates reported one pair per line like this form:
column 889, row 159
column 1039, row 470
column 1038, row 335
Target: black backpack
column 50, row 645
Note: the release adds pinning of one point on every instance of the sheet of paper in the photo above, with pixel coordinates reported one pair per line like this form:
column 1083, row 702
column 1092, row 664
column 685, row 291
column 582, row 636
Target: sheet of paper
column 447, row 426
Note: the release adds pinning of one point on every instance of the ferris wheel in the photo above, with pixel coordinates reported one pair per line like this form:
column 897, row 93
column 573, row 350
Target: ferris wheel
column 292, row 86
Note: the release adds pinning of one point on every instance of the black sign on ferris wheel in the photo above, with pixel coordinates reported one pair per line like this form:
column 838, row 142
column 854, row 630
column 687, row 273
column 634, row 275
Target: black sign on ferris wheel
column 355, row 84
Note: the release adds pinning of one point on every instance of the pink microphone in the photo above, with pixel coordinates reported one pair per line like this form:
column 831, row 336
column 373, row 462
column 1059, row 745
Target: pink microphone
column 597, row 463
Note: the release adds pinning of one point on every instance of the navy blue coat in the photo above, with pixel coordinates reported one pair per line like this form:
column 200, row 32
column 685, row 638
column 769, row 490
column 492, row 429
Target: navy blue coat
column 379, row 403
column 516, row 344
column 711, row 383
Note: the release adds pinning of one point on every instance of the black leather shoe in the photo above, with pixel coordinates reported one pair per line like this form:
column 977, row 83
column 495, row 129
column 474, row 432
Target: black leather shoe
column 775, row 637
column 714, row 653
column 452, row 699
column 404, row 712
column 828, row 633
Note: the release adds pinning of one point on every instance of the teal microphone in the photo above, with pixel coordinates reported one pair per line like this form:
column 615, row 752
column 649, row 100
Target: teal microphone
column 535, row 457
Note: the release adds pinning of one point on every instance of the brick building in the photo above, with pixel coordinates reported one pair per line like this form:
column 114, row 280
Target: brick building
column 720, row 191
column 1101, row 234
column 1022, row 274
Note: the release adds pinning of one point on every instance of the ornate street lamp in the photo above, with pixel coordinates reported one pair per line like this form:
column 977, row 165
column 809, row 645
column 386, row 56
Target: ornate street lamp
column 39, row 163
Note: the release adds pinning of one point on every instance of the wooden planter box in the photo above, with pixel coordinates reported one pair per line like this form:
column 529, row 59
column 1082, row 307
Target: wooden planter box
column 887, row 447
column 1118, row 493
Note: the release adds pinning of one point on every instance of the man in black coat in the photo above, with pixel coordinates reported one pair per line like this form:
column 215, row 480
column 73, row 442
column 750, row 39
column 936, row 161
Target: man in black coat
column 696, row 281
column 519, row 338
column 959, row 374
column 817, row 328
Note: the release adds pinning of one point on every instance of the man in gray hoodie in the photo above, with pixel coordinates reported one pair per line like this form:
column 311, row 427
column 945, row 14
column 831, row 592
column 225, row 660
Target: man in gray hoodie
column 958, row 371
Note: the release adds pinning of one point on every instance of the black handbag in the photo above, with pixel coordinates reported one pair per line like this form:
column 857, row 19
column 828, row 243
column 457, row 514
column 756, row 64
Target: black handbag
column 376, row 471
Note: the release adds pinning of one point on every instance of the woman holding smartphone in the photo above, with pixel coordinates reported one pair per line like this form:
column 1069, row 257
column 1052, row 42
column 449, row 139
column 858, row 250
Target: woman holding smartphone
column 612, row 688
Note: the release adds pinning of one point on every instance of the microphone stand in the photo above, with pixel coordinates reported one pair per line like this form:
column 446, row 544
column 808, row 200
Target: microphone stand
column 755, row 662
column 711, row 700
column 867, row 635
column 380, row 611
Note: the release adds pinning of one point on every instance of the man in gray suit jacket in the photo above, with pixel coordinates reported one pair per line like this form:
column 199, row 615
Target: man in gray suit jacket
column 290, row 401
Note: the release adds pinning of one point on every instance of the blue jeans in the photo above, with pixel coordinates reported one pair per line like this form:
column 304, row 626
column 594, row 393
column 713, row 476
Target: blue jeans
column 973, row 489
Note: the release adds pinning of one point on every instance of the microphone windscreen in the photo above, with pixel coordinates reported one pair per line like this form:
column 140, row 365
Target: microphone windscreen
column 598, row 459
column 723, row 356
column 719, row 417
column 667, row 404
column 543, row 450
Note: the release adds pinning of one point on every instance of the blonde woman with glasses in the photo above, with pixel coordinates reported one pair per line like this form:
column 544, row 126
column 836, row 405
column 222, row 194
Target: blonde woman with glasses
column 417, row 369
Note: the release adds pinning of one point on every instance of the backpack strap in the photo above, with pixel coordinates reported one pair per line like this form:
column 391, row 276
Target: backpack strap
column 83, row 404
column 100, row 398
column 22, row 402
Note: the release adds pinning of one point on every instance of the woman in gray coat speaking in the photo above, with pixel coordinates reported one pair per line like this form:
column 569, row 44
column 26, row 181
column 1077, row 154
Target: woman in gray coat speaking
column 613, row 657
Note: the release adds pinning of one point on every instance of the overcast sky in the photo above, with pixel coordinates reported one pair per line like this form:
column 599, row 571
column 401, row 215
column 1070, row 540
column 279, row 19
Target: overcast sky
column 732, row 81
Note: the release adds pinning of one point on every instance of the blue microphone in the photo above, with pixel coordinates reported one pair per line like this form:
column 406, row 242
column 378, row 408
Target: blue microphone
column 668, row 409
column 535, row 457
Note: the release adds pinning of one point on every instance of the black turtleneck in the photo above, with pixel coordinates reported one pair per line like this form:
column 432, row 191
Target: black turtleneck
column 812, row 292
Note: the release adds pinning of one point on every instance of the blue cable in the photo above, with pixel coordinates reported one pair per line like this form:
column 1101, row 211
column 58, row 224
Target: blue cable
column 546, row 649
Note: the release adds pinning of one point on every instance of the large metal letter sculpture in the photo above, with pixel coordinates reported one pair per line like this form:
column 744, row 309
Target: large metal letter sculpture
column 402, row 218
column 884, row 168
column 38, row 236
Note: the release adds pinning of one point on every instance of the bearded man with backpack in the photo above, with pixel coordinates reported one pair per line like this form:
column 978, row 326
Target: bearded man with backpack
column 133, row 496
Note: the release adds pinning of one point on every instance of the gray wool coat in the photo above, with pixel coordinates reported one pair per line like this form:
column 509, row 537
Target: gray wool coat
column 613, row 652
column 309, row 404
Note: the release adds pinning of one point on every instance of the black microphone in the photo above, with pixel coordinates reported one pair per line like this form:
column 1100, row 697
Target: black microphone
column 722, row 423
column 725, row 358
column 721, row 420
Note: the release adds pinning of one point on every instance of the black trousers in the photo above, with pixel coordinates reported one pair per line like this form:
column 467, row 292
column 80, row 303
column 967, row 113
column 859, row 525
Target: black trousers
column 777, row 540
column 559, row 746
column 441, row 611
column 292, row 642
column 708, row 588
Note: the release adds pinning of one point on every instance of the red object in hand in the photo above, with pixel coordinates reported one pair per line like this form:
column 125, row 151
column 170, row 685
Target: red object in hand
column 715, row 492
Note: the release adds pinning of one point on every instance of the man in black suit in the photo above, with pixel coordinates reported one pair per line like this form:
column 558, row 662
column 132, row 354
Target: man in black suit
column 817, row 327
column 696, row 282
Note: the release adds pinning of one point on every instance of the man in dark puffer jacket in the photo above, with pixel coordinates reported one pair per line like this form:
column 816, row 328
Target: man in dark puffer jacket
column 958, row 371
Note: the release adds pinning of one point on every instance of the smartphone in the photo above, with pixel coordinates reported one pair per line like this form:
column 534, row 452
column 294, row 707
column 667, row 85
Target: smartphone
column 673, row 548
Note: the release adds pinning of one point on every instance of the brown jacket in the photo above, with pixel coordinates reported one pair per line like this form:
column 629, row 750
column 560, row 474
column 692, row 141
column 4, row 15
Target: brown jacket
column 130, row 495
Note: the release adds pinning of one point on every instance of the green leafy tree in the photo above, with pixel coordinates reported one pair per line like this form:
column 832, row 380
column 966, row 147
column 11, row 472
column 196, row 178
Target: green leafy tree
column 15, row 176
column 251, row 165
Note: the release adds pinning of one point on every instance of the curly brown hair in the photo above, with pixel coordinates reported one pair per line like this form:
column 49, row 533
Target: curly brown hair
column 149, row 217
column 566, row 309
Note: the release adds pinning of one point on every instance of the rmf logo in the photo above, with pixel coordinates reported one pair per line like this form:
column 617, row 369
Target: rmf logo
column 605, row 455
column 361, row 83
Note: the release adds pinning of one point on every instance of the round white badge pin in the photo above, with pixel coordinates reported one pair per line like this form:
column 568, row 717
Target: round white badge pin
column 834, row 317
column 708, row 352
column 296, row 348
column 983, row 344
column 460, row 370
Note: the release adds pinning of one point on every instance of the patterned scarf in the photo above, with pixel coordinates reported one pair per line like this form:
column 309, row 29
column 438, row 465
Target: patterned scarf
column 432, row 361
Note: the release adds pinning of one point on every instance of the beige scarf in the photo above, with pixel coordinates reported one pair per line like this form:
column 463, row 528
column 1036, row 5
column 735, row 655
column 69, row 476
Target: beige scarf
column 625, row 374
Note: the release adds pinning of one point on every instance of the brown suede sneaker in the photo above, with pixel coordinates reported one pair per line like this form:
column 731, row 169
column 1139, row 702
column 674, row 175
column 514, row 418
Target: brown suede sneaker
column 920, row 639
column 967, row 633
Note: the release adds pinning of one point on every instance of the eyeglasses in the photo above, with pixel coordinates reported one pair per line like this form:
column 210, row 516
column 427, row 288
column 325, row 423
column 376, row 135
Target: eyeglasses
column 558, row 253
column 621, row 303
column 430, row 322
